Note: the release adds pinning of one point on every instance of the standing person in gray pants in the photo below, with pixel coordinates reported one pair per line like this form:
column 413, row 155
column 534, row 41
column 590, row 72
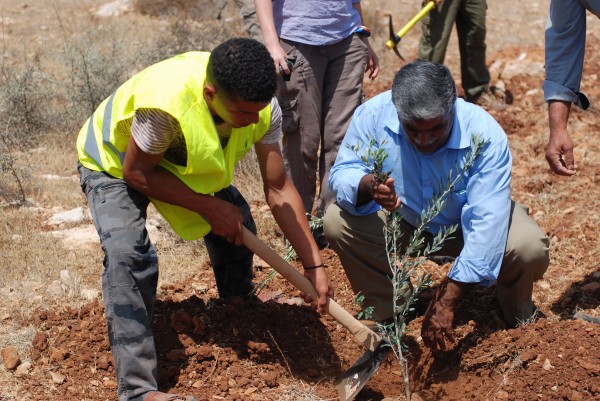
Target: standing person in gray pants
column 426, row 133
column 321, row 53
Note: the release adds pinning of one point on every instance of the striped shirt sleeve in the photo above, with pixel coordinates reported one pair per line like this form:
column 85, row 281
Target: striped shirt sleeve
column 273, row 135
column 153, row 130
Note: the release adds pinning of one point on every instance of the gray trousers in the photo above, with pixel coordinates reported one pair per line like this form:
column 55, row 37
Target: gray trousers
column 317, row 104
column 130, row 274
column 469, row 17
column 360, row 244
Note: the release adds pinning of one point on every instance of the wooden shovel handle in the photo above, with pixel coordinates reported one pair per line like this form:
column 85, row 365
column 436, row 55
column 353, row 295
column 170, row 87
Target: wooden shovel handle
column 362, row 333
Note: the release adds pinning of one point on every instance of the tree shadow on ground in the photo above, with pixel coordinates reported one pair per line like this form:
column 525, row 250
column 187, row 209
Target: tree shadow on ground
column 584, row 294
column 195, row 337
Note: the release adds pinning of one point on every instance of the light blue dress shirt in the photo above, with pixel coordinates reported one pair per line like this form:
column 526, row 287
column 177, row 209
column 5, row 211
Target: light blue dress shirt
column 480, row 203
column 565, row 48
column 315, row 22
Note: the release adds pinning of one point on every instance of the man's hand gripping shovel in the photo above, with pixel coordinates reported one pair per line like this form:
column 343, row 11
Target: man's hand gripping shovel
column 395, row 38
column 355, row 378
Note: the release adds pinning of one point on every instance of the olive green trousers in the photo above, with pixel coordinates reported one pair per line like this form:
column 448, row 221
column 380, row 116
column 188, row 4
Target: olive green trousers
column 469, row 18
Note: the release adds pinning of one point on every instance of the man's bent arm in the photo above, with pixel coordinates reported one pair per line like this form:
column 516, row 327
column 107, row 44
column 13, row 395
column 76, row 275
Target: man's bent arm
column 288, row 210
column 142, row 172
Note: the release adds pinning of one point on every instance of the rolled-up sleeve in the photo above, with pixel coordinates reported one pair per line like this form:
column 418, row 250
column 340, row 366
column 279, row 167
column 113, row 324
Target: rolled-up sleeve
column 565, row 49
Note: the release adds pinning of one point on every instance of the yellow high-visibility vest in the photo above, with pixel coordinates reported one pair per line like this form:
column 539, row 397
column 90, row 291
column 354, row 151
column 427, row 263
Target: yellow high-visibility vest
column 175, row 86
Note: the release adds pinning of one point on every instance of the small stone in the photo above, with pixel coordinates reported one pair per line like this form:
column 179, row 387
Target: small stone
column 103, row 362
column 23, row 369
column 40, row 341
column 528, row 356
column 89, row 294
column 110, row 384
column 11, row 358
column 58, row 354
column 58, row 378
column 547, row 365
column 544, row 285
column 250, row 391
column 55, row 289
column 65, row 276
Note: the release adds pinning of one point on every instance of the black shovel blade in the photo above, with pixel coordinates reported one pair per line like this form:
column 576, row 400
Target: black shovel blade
column 355, row 378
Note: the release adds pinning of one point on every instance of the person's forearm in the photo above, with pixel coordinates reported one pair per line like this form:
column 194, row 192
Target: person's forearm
column 558, row 116
column 288, row 211
column 160, row 184
column 452, row 291
column 264, row 13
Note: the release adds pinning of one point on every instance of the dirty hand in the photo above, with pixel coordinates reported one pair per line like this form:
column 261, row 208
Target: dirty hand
column 320, row 282
column 226, row 221
column 436, row 331
column 559, row 153
column 384, row 194
column 437, row 326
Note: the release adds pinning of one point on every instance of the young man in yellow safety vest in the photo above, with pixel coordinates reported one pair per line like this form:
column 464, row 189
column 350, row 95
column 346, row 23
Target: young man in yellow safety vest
column 171, row 135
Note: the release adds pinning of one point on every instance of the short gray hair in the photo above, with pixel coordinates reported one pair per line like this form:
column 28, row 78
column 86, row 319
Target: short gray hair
column 423, row 90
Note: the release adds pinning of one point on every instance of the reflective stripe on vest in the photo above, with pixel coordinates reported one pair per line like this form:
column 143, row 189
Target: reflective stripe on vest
column 174, row 86
column 91, row 147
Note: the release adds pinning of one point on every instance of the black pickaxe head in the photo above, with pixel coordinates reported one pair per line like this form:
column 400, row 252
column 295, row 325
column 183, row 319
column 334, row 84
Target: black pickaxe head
column 395, row 37
column 392, row 43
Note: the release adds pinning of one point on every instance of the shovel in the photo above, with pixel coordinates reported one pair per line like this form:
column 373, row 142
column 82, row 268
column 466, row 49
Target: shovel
column 395, row 38
column 355, row 378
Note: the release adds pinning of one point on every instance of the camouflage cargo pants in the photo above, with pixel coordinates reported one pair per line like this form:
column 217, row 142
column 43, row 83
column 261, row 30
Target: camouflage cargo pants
column 130, row 274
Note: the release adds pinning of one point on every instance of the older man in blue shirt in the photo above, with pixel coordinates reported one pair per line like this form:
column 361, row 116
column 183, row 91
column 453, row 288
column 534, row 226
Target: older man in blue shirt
column 426, row 131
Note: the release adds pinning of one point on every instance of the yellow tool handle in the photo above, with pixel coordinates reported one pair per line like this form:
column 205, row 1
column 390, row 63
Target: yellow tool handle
column 390, row 43
column 362, row 333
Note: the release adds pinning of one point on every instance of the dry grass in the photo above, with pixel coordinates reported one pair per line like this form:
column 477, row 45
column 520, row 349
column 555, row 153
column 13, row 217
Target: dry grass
column 37, row 269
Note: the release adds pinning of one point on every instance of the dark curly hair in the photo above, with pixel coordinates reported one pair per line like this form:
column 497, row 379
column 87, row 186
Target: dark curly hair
column 243, row 69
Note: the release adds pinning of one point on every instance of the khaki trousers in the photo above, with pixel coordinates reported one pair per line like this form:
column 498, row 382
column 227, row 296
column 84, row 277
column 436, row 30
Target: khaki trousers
column 360, row 244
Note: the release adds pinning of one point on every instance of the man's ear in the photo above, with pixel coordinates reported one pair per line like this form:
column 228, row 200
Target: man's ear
column 209, row 92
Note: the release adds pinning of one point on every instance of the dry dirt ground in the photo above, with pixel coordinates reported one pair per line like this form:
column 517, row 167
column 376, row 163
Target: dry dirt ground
column 219, row 350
